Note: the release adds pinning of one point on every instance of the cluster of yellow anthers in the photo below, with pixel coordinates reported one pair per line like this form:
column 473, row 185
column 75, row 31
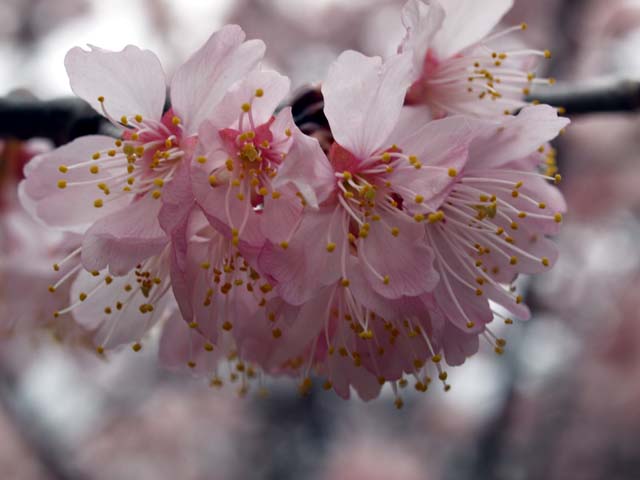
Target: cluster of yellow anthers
column 492, row 76
column 151, row 281
column 238, row 372
column 251, row 165
column 141, row 162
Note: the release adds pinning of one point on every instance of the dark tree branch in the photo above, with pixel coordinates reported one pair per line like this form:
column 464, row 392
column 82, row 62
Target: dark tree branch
column 62, row 120
column 59, row 120
column 610, row 97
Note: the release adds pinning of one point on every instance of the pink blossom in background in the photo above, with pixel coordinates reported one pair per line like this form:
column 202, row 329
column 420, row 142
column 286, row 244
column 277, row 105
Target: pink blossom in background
column 459, row 66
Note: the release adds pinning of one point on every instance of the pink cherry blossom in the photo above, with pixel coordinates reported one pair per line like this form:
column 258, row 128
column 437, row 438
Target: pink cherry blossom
column 361, row 253
column 459, row 66
column 491, row 225
column 112, row 190
column 130, row 196
column 242, row 147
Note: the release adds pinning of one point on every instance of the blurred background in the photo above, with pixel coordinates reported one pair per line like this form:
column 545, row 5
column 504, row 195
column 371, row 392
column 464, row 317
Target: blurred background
column 563, row 402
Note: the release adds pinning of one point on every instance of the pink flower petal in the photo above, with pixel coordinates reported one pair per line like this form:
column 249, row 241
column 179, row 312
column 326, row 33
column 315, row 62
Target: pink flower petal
column 397, row 266
column 70, row 208
column 363, row 99
column 306, row 264
column 467, row 22
column 274, row 88
column 422, row 20
column 307, row 167
column 131, row 81
column 124, row 238
column 516, row 137
column 126, row 324
column 203, row 80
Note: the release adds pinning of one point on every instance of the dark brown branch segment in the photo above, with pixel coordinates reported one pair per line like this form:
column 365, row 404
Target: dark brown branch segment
column 612, row 97
column 60, row 120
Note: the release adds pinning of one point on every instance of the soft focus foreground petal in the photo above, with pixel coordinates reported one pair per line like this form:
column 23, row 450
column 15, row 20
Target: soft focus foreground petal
column 264, row 90
column 363, row 98
column 203, row 80
column 308, row 169
column 124, row 238
column 467, row 22
column 72, row 207
column 421, row 20
column 131, row 81
column 516, row 137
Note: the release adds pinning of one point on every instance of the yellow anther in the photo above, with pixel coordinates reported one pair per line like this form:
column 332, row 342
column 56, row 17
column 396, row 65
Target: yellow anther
column 259, row 92
column 327, row 385
column 398, row 403
column 263, row 191
column 513, row 260
column 246, row 107
column 52, row 289
column 82, row 296
column 453, row 172
column 419, row 217
column 436, row 358
column 176, row 120
column 346, row 176
column 284, row 245
column 545, row 261
column 107, row 310
column 94, row 169
column 138, row 118
column 156, row 194
column 524, row 26
column 98, row 203
column 62, row 184
column 123, row 120
column 522, row 215
column 519, row 299
column 558, row 217
column 227, row 326
column 136, row 347
column 275, row 195
column 552, row 81
column 158, row 182
column 287, row 132
column 99, row 350
column 208, row 347
column 478, row 292
column 443, row 376
column 419, row 199
column 344, row 282
column 168, row 143
column 395, row 231
column 386, row 157
column 63, row 169
column 331, row 247
column 276, row 333
column 212, row 180
column 557, row 179
column 386, row 280
column 547, row 54
column 514, row 226
column 366, row 335
column 101, row 99
column 201, row 159
column 499, row 231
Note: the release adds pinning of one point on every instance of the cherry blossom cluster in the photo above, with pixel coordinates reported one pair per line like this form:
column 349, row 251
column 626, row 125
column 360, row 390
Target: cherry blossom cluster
column 378, row 257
